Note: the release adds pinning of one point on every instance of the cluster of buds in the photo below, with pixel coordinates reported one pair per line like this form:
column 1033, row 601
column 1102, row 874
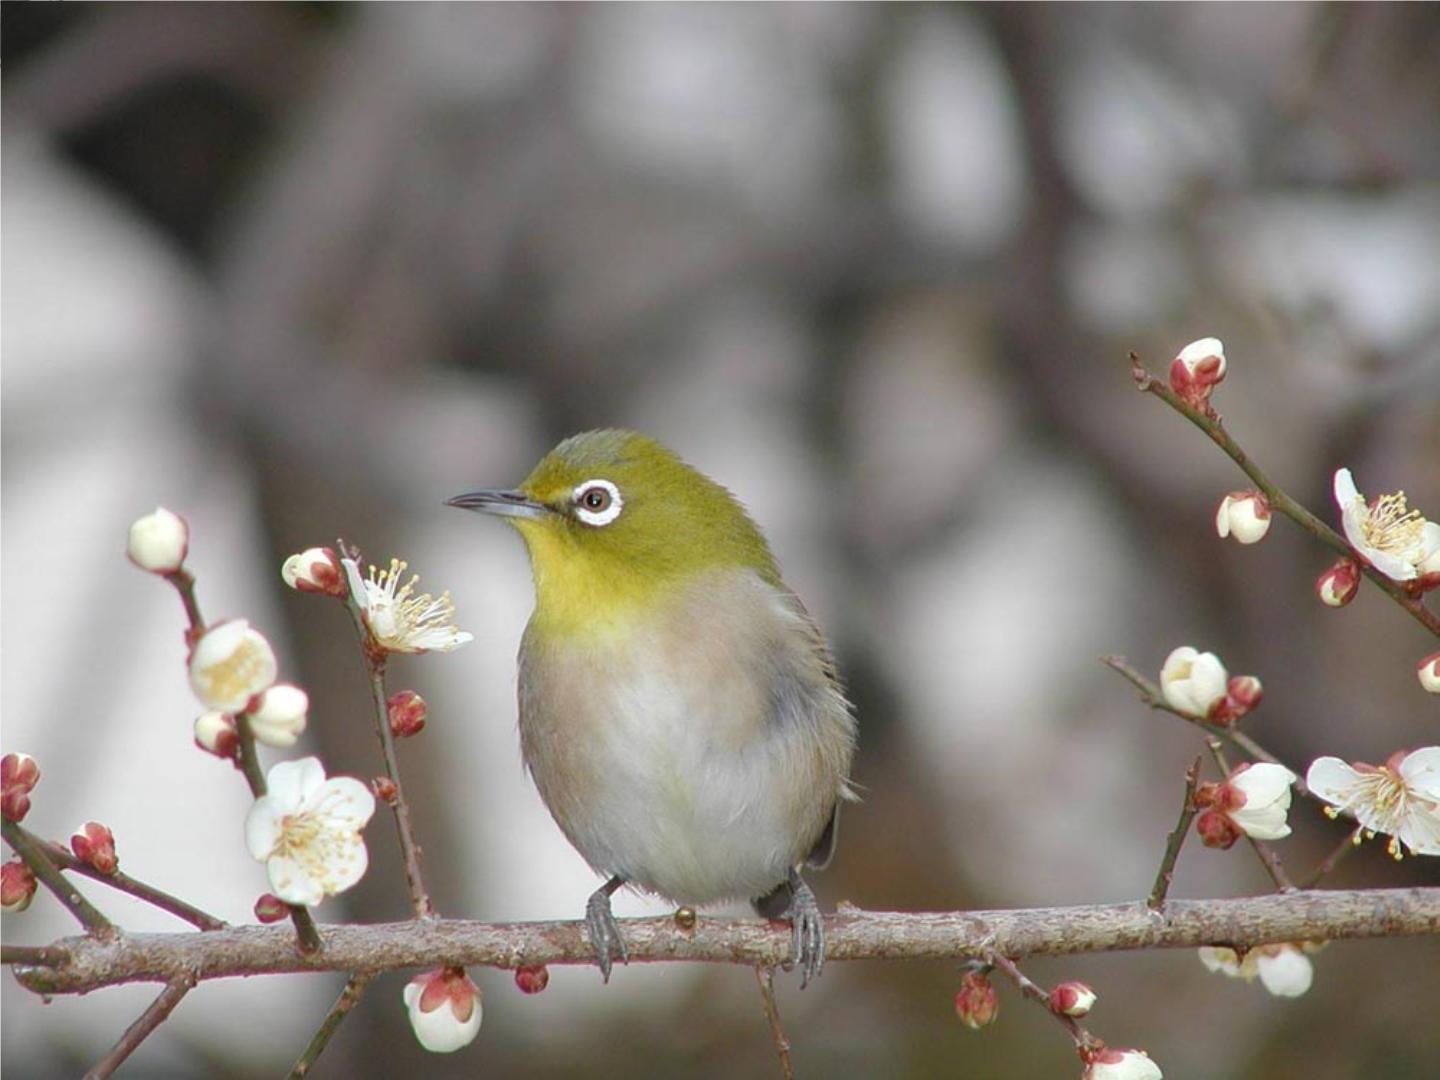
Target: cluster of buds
column 94, row 845
column 1254, row 799
column 159, row 542
column 1245, row 515
column 976, row 1004
column 1197, row 684
column 407, row 711
column 444, row 1008
column 18, row 776
column 1196, row 371
column 17, row 886
column 1103, row 1063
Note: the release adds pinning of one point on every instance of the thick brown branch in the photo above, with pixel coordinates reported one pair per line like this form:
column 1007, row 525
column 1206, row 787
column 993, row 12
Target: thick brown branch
column 850, row 935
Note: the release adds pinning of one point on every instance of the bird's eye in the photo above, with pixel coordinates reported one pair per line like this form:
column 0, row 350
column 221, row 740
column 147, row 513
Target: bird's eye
column 597, row 502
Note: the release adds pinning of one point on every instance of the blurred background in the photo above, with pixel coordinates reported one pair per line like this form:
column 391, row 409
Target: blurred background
column 304, row 271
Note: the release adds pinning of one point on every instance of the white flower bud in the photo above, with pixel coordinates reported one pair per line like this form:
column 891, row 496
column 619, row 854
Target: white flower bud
column 316, row 570
column 1244, row 515
column 1256, row 797
column 1193, row 682
column 1204, row 358
column 1122, row 1065
column 159, row 541
column 230, row 665
column 1428, row 671
column 1284, row 970
column 280, row 717
column 215, row 734
column 444, row 1008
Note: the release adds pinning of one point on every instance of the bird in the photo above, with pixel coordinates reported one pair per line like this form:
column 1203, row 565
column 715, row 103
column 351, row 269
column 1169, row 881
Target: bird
column 680, row 712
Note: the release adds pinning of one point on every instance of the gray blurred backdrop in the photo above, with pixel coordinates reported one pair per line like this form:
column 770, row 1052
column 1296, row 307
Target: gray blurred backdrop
column 304, row 271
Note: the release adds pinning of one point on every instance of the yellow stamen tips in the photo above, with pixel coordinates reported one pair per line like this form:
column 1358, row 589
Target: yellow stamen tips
column 1332, row 813
column 1394, row 848
column 1391, row 525
column 1356, row 837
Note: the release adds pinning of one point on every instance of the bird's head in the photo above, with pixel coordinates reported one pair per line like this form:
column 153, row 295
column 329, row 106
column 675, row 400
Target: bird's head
column 612, row 520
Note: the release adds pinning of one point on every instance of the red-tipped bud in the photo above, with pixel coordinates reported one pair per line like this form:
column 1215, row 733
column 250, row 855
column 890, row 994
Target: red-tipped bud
column 1428, row 671
column 531, row 980
column 94, row 845
column 385, row 789
column 270, row 908
column 444, row 1007
column 1196, row 371
column 1338, row 585
column 315, row 570
column 1102, row 1063
column 1215, row 830
column 18, row 776
column 1242, row 694
column 17, row 887
column 215, row 734
column 1245, row 515
column 976, row 1004
column 1072, row 999
column 407, row 713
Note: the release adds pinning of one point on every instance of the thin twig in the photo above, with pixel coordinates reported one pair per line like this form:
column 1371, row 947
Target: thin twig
column 34, row 955
column 1271, row 861
column 1215, row 429
column 33, row 851
column 184, row 583
column 1314, row 915
column 1348, row 843
column 65, row 860
column 765, row 976
column 348, row 999
column 137, row 1032
column 1166, row 874
column 1083, row 1039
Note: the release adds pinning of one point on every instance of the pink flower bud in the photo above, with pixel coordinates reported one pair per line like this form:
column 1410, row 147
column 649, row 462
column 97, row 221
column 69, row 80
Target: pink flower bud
column 976, row 1004
column 17, row 887
column 1244, row 515
column 1216, row 831
column 270, row 908
column 1196, row 371
column 159, row 542
column 1242, row 694
column 215, row 734
column 532, row 980
column 315, row 570
column 94, row 845
column 1428, row 671
column 1337, row 586
column 444, row 1008
column 1072, row 999
column 407, row 713
column 1107, row 1064
column 18, row 776
column 384, row 789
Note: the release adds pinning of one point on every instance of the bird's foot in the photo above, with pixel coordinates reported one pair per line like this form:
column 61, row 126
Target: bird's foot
column 604, row 932
column 807, row 934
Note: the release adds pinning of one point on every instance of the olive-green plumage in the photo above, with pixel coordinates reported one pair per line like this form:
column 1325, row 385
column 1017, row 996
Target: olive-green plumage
column 679, row 709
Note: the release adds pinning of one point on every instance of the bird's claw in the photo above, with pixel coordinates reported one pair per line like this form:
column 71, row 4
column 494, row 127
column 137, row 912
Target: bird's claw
column 604, row 932
column 807, row 934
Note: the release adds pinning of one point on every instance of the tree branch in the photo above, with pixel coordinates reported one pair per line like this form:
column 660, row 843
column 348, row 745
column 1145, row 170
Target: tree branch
column 34, row 852
column 766, row 978
column 850, row 935
column 1166, row 874
column 147, row 1022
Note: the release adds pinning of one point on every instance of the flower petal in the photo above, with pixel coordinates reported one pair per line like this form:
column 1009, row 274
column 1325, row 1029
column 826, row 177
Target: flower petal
column 290, row 882
column 262, row 827
column 1331, row 779
column 1421, row 771
column 344, row 803
column 290, row 783
column 1288, row 973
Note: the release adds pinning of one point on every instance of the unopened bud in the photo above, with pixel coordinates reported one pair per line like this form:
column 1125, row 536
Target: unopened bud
column 1103, row 1063
column 18, row 776
column 279, row 717
column 1242, row 694
column 1244, row 515
column 976, row 1004
column 1338, row 585
column 407, row 711
column 94, row 845
column 1428, row 671
column 315, row 570
column 1216, row 831
column 270, row 908
column 385, row 789
column 159, row 541
column 532, row 980
column 17, row 887
column 1193, row 682
column 1072, row 999
column 1197, row 370
column 215, row 734
column 444, row 1008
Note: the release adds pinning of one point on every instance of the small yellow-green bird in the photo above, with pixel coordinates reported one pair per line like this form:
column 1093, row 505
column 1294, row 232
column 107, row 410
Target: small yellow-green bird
column 679, row 709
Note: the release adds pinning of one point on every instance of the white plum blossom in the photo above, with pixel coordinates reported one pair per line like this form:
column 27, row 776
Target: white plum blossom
column 444, row 1008
column 1391, row 537
column 1193, row 682
column 1400, row 798
column 1110, row 1064
column 306, row 830
column 399, row 621
column 1258, row 798
column 158, row 541
column 1244, row 515
column 1283, row 969
column 280, row 716
column 230, row 664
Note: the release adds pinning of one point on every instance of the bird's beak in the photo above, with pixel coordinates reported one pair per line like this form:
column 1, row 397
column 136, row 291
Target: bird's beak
column 514, row 504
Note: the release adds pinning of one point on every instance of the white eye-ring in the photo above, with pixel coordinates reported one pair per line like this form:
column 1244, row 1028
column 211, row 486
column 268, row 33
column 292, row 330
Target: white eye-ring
column 597, row 502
